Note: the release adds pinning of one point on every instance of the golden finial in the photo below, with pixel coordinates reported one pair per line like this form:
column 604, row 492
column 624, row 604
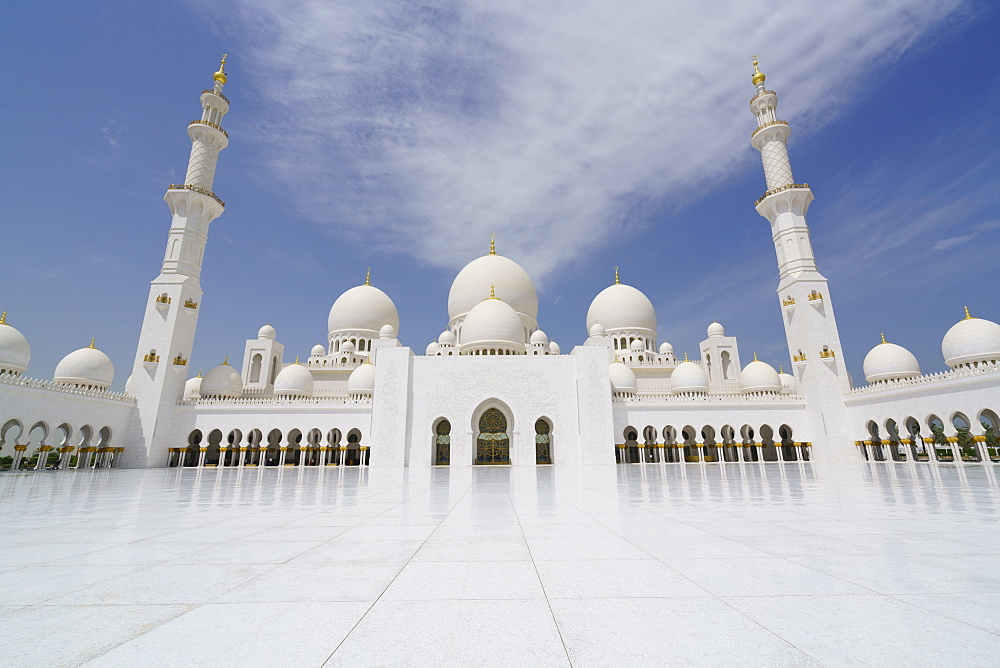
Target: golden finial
column 686, row 357
column 968, row 316
column 758, row 76
column 617, row 282
column 225, row 362
column 781, row 369
column 220, row 76
column 199, row 374
column 92, row 339
column 883, row 338
column 296, row 359
column 368, row 276
column 493, row 243
column 618, row 361
column 493, row 292
column 755, row 356
column 3, row 318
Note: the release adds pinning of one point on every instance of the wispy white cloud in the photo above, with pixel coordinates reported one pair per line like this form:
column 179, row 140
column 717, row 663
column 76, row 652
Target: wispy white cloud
column 424, row 127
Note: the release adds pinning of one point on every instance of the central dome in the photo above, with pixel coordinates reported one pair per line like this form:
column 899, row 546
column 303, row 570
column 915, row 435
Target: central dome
column 493, row 321
column 510, row 282
column 621, row 306
column 362, row 309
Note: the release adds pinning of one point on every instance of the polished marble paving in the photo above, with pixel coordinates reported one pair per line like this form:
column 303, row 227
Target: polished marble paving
column 722, row 564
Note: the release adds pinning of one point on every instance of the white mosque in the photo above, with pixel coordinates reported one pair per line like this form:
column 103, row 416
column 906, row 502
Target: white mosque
column 493, row 389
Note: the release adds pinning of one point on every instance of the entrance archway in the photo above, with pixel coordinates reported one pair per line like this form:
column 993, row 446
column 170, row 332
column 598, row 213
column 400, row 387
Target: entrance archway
column 543, row 441
column 493, row 443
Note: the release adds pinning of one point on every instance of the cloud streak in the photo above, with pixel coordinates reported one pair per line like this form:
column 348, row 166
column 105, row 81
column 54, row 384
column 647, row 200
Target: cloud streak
column 556, row 125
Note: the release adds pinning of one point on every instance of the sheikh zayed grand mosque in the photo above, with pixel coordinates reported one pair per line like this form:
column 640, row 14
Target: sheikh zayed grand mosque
column 493, row 389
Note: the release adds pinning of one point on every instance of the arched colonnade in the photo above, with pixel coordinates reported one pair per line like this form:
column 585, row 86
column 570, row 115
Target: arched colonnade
column 272, row 448
column 708, row 444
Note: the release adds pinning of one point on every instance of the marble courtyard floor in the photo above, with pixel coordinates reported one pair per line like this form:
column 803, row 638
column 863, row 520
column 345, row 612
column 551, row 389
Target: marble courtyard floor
column 745, row 564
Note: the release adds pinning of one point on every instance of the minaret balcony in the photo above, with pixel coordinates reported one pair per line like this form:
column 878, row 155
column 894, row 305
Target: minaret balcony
column 769, row 125
column 215, row 92
column 789, row 186
column 209, row 124
column 196, row 189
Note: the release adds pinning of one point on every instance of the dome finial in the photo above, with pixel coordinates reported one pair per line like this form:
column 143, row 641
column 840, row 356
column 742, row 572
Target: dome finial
column 686, row 357
column 758, row 76
column 781, row 369
column 968, row 316
column 199, row 373
column 755, row 356
column 296, row 359
column 220, row 76
column 617, row 282
column 225, row 362
column 368, row 276
column 92, row 339
column 493, row 292
column 493, row 243
column 3, row 318
column 883, row 338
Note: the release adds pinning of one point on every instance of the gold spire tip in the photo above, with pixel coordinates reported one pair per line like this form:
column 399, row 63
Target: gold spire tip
column 968, row 316
column 755, row 356
column 368, row 276
column 781, row 369
column 617, row 282
column 883, row 338
column 493, row 291
column 199, row 373
column 220, row 76
column 3, row 318
column 686, row 357
column 92, row 339
column 758, row 76
column 493, row 243
column 296, row 359
column 226, row 361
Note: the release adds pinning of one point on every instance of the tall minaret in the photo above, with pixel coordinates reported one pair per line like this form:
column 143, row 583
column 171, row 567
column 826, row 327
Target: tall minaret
column 806, row 302
column 168, row 328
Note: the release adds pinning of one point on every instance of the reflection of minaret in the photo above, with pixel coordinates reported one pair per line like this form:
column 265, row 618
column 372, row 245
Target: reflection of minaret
column 168, row 328
column 810, row 325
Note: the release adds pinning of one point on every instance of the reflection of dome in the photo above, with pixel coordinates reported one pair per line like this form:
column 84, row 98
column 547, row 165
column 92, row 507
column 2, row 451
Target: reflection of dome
column 294, row 381
column 666, row 349
column 888, row 361
column 86, row 366
column 715, row 329
column 362, row 380
column 510, row 282
column 788, row 383
column 447, row 338
column 318, row 351
column 621, row 306
column 689, row 377
column 432, row 348
column 493, row 322
column 362, row 309
column 538, row 337
column 971, row 341
column 387, row 332
column 759, row 377
column 554, row 348
column 622, row 377
column 597, row 329
column 266, row 332
column 222, row 381
column 14, row 349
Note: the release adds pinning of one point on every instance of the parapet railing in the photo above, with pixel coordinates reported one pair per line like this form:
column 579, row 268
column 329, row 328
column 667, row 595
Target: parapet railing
column 203, row 191
column 215, row 92
column 767, row 125
column 277, row 401
column 51, row 385
column 926, row 379
column 209, row 124
column 692, row 397
column 789, row 186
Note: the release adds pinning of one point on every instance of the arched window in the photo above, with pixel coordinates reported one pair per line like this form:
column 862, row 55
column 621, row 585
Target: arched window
column 255, row 365
column 442, row 443
column 543, row 441
column 726, row 364
column 493, row 443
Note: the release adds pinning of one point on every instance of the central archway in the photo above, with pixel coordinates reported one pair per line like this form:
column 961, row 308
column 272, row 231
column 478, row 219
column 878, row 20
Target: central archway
column 493, row 442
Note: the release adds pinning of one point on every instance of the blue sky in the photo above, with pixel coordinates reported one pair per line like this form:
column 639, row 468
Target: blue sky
column 399, row 135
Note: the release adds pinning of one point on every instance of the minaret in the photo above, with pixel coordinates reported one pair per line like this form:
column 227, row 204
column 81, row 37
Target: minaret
column 806, row 302
column 168, row 328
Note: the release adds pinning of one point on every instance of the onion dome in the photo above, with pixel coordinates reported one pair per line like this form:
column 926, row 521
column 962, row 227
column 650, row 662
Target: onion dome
column 493, row 323
column 666, row 349
column 689, row 377
column 789, row 385
column 222, row 381
column 715, row 329
column 554, row 348
column 294, row 381
column 347, row 347
column 192, row 388
column 539, row 338
column 317, row 351
column 888, row 361
column 362, row 309
column 14, row 349
column 362, row 380
column 266, row 332
column 637, row 346
column 86, row 366
column 447, row 338
column 387, row 332
column 971, row 341
column 597, row 329
column 432, row 348
column 622, row 377
column 759, row 377
column 510, row 282
column 620, row 307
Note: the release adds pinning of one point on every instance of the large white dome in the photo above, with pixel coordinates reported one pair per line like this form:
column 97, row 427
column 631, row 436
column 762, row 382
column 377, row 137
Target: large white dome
column 689, row 377
column 362, row 309
column 86, row 366
column 493, row 321
column 619, row 307
column 970, row 341
column 622, row 377
column 222, row 381
column 14, row 349
column 294, row 381
column 510, row 283
column 362, row 380
column 760, row 377
column 888, row 361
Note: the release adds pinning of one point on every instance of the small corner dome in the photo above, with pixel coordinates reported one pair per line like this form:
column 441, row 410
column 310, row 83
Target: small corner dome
column 363, row 308
column 538, row 337
column 493, row 320
column 666, row 349
column 788, row 383
column 222, row 381
column 294, row 381
column 347, row 347
column 86, row 366
column 637, row 345
column 971, row 341
column 362, row 380
column 715, row 329
column 447, row 338
column 129, row 388
column 689, row 377
column 597, row 329
column 432, row 348
column 266, row 332
column 387, row 332
column 317, row 351
column 192, row 388
column 622, row 377
column 888, row 361
column 14, row 349
column 621, row 306
column 554, row 348
column 759, row 377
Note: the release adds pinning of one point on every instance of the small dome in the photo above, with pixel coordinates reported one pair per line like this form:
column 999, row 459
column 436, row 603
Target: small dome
column 362, row 309
column 447, row 338
column 715, row 329
column 597, row 329
column 294, row 381
column 86, row 366
column 621, row 306
column 222, row 381
column 192, row 388
column 666, row 349
column 362, row 380
column 347, row 347
column 266, row 332
column 538, row 337
column 387, row 332
column 970, row 341
column 637, row 346
column 789, row 385
column 689, row 377
column 317, row 351
column 554, row 348
column 432, row 348
column 760, row 377
column 888, row 361
column 14, row 349
column 129, row 389
column 493, row 321
column 510, row 282
column 622, row 377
